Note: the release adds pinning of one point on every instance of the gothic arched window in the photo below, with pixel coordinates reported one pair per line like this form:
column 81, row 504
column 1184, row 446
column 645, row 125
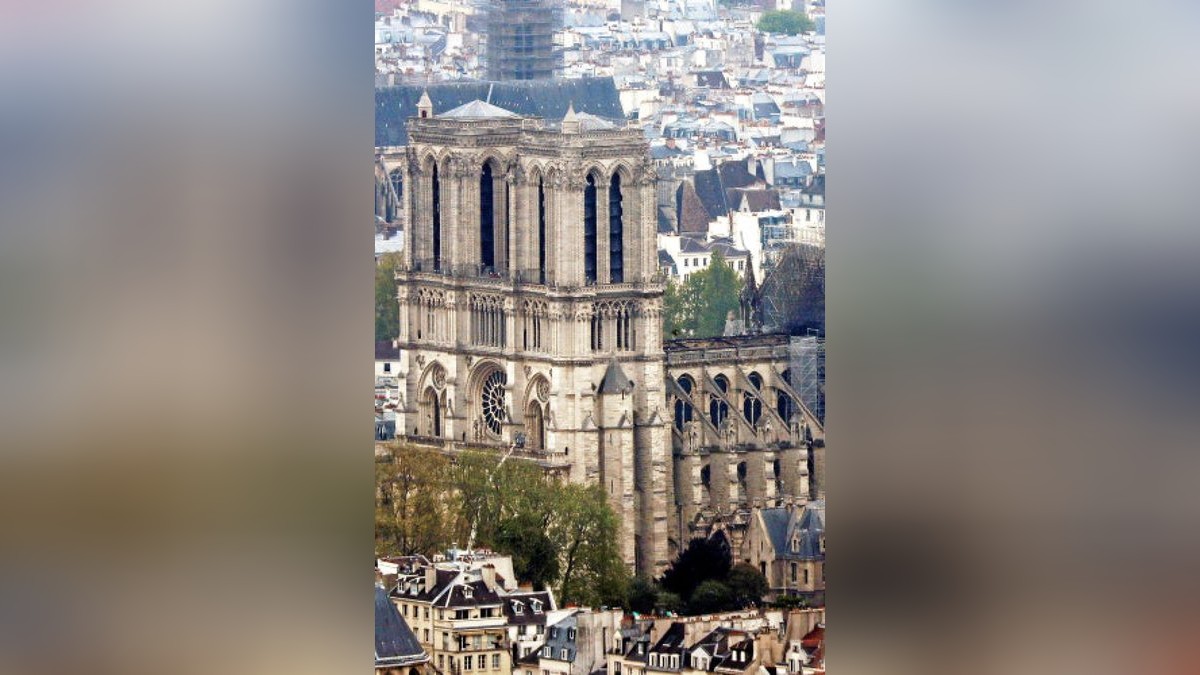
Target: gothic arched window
column 437, row 219
column 487, row 219
column 616, row 258
column 541, row 232
column 589, row 230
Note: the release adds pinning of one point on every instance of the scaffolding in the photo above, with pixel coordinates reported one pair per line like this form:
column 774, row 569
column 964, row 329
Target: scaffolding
column 806, row 369
column 520, row 39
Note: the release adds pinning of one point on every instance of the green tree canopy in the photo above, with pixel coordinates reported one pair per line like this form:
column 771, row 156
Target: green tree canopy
column 557, row 533
column 411, row 513
column 702, row 560
column 698, row 306
column 387, row 309
column 747, row 585
column 785, row 21
column 711, row 596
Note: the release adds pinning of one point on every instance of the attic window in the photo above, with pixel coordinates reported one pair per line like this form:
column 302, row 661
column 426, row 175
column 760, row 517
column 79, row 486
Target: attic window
column 468, row 592
column 537, row 606
column 518, row 607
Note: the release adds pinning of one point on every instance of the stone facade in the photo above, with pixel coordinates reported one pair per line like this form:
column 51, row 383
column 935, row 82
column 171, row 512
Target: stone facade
column 531, row 321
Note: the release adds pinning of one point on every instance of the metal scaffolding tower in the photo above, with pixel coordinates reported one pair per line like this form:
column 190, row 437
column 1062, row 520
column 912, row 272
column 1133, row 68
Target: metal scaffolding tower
column 807, row 370
column 520, row 39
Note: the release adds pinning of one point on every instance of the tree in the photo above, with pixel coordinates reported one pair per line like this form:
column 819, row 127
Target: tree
column 785, row 21
column 387, row 309
column 535, row 559
column 669, row 602
column 585, row 529
column 702, row 560
column 711, row 596
column 747, row 585
column 411, row 514
column 643, row 596
column 699, row 305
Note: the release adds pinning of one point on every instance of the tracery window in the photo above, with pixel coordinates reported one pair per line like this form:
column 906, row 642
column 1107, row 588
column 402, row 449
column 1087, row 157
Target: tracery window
column 492, row 401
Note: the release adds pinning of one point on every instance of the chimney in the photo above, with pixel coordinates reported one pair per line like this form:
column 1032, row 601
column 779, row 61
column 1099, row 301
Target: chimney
column 488, row 572
column 430, row 578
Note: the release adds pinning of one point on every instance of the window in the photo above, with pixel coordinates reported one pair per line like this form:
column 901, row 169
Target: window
column 441, row 661
column 616, row 259
column 589, row 230
column 794, row 570
column 806, row 576
column 553, row 633
column 404, row 608
column 546, row 652
column 541, row 233
column 437, row 220
column 468, row 662
column 426, row 635
column 495, row 662
column 387, row 367
column 462, row 614
column 426, row 612
column 562, row 654
column 487, row 231
column 518, row 607
column 570, row 633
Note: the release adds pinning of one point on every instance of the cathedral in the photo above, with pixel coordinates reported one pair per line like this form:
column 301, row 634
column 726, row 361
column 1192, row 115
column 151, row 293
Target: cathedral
column 531, row 323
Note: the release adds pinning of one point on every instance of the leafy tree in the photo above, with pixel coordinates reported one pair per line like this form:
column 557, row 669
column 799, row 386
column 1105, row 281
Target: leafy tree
column 411, row 514
column 785, row 21
column 702, row 560
column 643, row 596
column 585, row 528
column 387, row 309
column 711, row 596
column 698, row 306
column 535, row 559
column 669, row 602
column 747, row 585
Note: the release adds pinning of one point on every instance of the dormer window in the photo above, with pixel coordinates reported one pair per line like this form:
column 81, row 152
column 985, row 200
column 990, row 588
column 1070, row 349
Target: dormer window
column 570, row 633
column 468, row 592
column 536, row 605
column 518, row 607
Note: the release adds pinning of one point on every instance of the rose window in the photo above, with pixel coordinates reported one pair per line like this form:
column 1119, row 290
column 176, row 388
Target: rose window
column 493, row 401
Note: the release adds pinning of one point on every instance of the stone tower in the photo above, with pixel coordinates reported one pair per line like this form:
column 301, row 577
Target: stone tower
column 530, row 307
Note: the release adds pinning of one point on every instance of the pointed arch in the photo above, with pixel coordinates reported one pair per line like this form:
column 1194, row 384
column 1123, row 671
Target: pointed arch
column 616, row 229
column 592, row 182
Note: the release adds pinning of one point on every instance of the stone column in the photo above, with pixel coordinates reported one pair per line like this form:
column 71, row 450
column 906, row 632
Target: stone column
column 602, row 233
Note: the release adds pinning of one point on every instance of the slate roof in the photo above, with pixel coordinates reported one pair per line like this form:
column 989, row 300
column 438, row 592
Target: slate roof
column 541, row 98
column 691, row 214
column 721, row 645
column 395, row 644
column 527, row 615
column 615, row 380
column 713, row 79
column 559, row 637
column 756, row 199
column 671, row 641
column 806, row 523
column 478, row 110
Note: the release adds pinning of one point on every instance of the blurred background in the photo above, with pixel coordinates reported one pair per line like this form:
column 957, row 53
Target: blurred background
column 185, row 320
